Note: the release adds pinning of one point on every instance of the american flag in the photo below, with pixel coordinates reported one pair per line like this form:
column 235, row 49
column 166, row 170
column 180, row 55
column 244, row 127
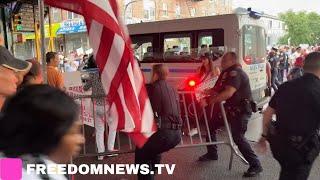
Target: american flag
column 120, row 74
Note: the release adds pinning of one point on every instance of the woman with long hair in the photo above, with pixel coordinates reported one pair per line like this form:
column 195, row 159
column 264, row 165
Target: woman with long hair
column 207, row 68
column 102, row 115
column 207, row 75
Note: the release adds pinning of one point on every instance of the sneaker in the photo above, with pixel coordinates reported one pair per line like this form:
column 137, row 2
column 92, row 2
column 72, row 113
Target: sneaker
column 100, row 158
column 253, row 171
column 193, row 132
column 207, row 157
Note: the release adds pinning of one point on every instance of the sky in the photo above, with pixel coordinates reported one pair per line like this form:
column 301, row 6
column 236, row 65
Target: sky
column 273, row 7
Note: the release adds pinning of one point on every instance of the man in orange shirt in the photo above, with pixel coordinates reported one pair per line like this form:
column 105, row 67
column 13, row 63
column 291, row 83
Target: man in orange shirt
column 55, row 78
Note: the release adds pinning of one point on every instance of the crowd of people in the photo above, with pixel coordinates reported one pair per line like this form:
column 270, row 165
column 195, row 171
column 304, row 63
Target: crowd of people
column 286, row 63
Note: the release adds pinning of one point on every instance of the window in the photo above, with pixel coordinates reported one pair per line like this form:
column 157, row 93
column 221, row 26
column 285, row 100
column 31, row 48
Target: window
column 193, row 12
column 143, row 48
column 165, row 9
column 205, row 42
column 72, row 15
column 254, row 44
column 146, row 14
column 177, row 46
column 270, row 24
column 222, row 2
column 149, row 9
column 178, row 11
column 56, row 15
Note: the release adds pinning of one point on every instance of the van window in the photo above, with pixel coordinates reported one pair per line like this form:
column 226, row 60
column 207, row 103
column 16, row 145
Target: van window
column 254, row 44
column 176, row 48
column 205, row 42
column 143, row 47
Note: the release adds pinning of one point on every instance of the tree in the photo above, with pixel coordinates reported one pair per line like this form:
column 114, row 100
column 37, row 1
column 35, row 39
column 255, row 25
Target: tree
column 302, row 28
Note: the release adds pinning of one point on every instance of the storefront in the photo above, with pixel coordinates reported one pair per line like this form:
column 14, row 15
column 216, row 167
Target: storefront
column 27, row 48
column 76, row 41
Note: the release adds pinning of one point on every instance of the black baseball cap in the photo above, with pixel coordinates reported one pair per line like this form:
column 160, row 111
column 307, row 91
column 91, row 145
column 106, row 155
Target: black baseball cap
column 9, row 61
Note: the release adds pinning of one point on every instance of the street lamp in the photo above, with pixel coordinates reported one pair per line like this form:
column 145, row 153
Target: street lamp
column 125, row 9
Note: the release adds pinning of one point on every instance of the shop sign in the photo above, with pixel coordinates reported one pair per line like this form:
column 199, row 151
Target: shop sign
column 72, row 26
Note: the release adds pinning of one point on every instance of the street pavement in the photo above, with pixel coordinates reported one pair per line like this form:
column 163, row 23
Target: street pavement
column 188, row 168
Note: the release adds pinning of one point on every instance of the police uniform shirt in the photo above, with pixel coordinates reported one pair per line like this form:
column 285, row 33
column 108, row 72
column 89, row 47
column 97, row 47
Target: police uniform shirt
column 297, row 106
column 165, row 101
column 234, row 76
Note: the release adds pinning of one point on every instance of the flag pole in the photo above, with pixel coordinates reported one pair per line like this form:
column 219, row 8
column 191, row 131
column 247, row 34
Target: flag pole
column 42, row 34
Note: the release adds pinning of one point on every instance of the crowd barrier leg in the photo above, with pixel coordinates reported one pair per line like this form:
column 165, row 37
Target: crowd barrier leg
column 207, row 124
column 83, row 129
column 231, row 142
column 196, row 115
column 186, row 115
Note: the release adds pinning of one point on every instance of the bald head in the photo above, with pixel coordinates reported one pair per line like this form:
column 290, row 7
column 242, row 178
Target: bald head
column 312, row 63
column 229, row 59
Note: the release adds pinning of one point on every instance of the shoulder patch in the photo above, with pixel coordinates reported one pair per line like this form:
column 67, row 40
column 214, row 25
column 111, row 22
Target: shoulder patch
column 233, row 73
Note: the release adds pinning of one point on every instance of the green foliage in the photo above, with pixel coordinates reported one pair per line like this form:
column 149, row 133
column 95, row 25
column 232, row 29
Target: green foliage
column 302, row 28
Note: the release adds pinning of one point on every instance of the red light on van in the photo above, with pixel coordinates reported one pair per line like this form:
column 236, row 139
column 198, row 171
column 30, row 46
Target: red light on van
column 192, row 83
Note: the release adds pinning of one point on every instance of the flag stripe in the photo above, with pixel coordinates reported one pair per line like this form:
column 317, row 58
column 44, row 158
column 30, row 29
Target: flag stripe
column 95, row 33
column 114, row 60
column 105, row 5
column 101, row 16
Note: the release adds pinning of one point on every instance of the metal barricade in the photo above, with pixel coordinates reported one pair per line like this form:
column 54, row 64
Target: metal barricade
column 189, row 111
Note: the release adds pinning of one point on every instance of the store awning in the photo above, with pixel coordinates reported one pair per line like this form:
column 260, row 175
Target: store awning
column 71, row 26
column 72, row 29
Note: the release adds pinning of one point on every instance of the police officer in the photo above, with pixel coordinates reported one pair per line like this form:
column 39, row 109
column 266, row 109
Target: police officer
column 165, row 103
column 234, row 88
column 283, row 65
column 274, row 62
column 294, row 136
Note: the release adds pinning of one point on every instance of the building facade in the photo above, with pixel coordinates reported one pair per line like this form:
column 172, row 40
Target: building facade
column 157, row 10
column 67, row 33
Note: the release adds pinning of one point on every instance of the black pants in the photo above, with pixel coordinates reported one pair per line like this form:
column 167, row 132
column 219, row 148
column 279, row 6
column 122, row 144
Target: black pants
column 238, row 128
column 294, row 165
column 161, row 141
column 281, row 75
column 274, row 79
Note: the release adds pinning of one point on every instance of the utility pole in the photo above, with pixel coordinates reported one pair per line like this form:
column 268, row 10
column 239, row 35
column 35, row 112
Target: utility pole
column 42, row 34
column 125, row 10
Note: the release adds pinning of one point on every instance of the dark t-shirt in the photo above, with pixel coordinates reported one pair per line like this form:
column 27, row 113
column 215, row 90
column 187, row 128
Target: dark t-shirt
column 237, row 78
column 297, row 106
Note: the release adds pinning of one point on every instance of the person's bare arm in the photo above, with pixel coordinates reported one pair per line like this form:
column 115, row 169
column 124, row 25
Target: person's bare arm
column 60, row 82
column 267, row 117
